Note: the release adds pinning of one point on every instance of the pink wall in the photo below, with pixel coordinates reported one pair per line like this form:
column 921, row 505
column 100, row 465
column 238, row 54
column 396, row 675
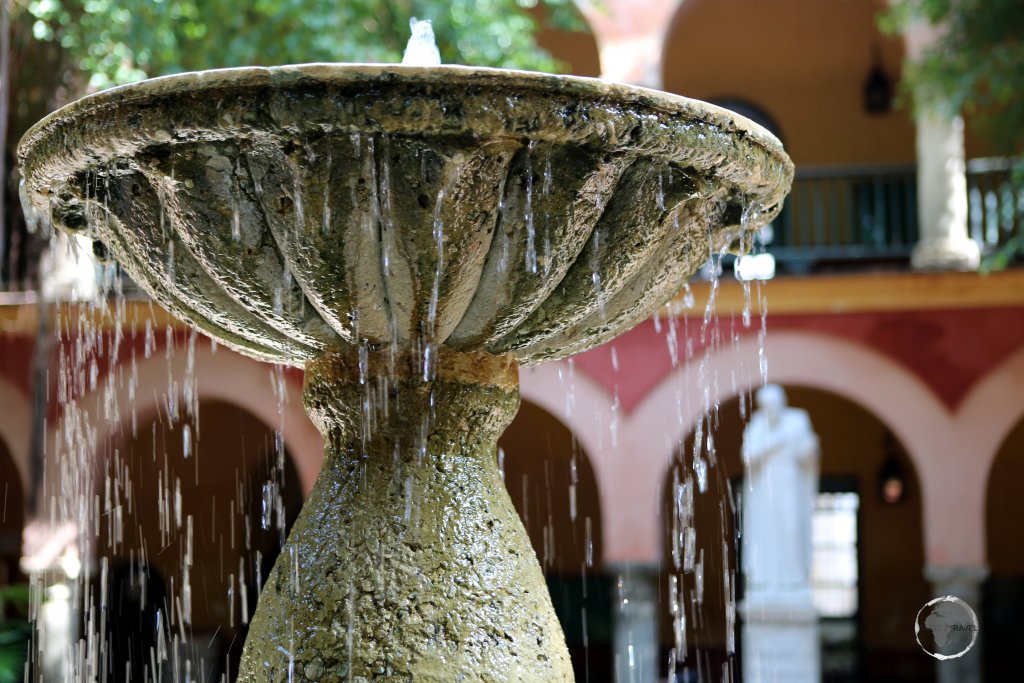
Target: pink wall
column 949, row 350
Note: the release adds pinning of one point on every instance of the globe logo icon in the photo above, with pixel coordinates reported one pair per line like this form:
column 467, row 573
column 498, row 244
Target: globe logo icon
column 946, row 627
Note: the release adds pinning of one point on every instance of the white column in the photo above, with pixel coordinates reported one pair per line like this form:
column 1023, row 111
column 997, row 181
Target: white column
column 964, row 582
column 630, row 37
column 636, row 634
column 943, row 243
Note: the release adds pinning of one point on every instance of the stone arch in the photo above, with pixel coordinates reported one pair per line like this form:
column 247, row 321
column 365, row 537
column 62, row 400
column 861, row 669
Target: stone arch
column 824, row 362
column 552, row 483
column 992, row 418
column 880, row 385
column 632, row 453
column 220, row 375
column 1003, row 595
column 543, row 462
column 989, row 413
column 207, row 519
column 548, row 386
column 804, row 62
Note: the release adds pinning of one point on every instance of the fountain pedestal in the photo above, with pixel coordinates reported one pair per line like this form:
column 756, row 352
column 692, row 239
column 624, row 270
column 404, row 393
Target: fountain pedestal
column 409, row 561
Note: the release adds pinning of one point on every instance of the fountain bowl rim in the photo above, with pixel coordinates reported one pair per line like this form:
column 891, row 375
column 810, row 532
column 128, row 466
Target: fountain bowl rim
column 136, row 123
column 343, row 72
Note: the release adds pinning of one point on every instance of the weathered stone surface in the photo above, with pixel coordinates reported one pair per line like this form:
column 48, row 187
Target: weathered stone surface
column 676, row 256
column 319, row 205
column 619, row 247
column 408, row 562
column 562, row 212
column 409, row 235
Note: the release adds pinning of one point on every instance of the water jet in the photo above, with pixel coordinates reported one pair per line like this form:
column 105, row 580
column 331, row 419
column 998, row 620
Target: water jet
column 410, row 236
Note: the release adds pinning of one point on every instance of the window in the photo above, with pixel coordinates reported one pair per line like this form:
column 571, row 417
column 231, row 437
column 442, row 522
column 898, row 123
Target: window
column 834, row 572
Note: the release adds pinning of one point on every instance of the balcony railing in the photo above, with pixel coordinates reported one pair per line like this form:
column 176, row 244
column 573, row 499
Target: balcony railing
column 995, row 203
column 837, row 217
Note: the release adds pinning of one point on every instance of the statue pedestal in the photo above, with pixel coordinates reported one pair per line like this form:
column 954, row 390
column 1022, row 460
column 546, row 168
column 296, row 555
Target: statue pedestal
column 780, row 638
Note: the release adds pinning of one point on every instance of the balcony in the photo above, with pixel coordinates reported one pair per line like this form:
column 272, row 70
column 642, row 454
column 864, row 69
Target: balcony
column 857, row 218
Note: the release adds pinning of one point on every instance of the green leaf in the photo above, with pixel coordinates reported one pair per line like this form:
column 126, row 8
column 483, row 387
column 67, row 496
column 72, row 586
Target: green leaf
column 976, row 65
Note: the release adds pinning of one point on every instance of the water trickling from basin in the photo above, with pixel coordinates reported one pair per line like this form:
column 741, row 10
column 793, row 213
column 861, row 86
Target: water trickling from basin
column 128, row 453
column 103, row 344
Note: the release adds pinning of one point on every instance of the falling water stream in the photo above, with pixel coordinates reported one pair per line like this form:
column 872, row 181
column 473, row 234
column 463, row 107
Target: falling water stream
column 91, row 493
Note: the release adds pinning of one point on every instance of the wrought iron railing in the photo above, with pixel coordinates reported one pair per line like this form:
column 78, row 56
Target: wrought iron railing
column 860, row 216
column 995, row 203
column 840, row 215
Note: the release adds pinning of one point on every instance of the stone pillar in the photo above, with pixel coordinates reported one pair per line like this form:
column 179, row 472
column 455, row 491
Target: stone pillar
column 636, row 635
column 943, row 243
column 408, row 561
column 630, row 37
column 964, row 582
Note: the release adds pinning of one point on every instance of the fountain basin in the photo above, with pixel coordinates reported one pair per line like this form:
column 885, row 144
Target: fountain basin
column 288, row 210
column 409, row 236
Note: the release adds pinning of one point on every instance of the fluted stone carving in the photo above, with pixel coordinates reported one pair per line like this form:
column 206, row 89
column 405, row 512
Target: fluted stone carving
column 406, row 234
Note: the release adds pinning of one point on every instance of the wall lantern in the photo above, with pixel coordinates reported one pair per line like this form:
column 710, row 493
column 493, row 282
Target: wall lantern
column 878, row 87
column 892, row 479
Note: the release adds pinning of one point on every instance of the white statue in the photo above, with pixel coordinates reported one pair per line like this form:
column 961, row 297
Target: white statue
column 780, row 456
column 421, row 50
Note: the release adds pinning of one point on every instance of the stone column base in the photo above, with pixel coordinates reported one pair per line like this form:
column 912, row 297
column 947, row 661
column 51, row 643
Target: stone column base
column 946, row 254
column 408, row 562
column 964, row 582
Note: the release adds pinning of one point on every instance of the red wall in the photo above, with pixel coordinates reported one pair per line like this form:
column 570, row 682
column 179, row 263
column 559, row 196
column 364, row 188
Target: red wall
column 949, row 350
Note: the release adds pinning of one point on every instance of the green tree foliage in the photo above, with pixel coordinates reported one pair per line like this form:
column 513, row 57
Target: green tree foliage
column 976, row 67
column 119, row 41
column 15, row 632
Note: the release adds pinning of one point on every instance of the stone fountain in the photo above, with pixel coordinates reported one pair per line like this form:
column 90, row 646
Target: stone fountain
column 411, row 237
